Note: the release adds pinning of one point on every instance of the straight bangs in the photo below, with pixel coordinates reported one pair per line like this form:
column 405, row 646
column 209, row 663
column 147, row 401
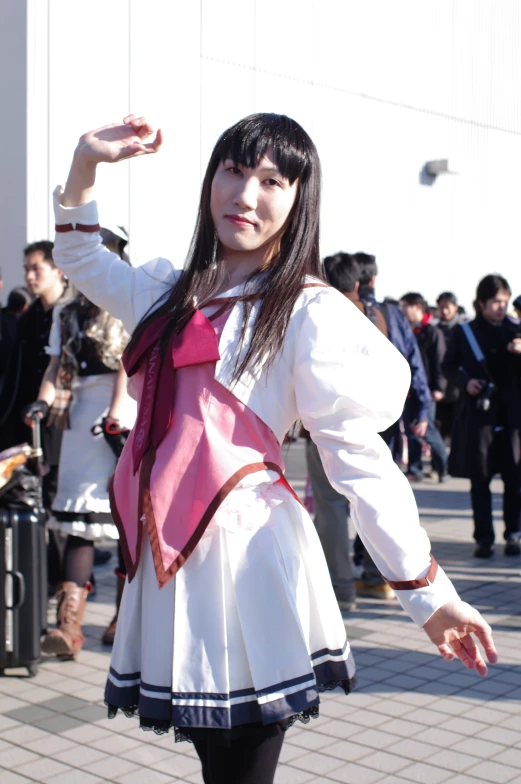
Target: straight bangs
column 248, row 141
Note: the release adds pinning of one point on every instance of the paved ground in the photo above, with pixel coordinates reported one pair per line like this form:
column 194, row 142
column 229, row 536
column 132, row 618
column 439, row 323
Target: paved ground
column 414, row 718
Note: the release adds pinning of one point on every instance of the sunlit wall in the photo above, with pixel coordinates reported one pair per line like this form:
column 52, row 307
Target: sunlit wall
column 382, row 87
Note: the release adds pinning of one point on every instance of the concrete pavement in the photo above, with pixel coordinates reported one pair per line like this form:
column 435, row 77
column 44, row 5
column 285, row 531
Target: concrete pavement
column 413, row 718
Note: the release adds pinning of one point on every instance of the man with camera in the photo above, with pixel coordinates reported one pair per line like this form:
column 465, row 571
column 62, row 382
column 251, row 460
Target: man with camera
column 484, row 359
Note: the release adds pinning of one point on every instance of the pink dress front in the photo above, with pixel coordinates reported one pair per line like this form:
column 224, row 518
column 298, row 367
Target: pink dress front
column 212, row 442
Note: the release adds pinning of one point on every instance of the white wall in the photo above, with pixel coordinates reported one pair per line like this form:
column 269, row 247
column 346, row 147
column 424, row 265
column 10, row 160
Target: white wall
column 13, row 192
column 381, row 87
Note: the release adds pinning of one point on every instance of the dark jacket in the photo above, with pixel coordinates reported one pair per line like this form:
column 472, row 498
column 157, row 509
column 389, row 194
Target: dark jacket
column 474, row 428
column 448, row 327
column 8, row 329
column 27, row 365
column 402, row 337
column 432, row 348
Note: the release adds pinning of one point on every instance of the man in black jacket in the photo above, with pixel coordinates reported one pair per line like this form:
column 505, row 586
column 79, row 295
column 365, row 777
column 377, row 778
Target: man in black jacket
column 432, row 348
column 29, row 360
column 487, row 430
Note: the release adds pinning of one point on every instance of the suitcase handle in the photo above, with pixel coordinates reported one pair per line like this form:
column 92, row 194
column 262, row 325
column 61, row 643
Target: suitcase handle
column 37, row 437
column 18, row 579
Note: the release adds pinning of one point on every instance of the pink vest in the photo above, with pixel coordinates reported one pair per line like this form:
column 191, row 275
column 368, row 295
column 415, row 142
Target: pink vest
column 192, row 444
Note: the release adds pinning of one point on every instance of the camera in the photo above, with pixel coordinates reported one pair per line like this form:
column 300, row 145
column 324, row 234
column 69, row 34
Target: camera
column 483, row 401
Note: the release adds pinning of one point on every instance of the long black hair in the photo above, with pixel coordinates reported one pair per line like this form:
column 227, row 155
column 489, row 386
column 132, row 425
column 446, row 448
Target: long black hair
column 278, row 285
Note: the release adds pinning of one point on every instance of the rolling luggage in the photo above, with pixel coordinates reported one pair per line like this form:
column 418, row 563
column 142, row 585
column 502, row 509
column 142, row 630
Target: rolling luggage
column 23, row 567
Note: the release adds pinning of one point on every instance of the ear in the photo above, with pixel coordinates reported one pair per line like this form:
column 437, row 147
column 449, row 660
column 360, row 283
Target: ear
column 357, row 286
column 372, row 282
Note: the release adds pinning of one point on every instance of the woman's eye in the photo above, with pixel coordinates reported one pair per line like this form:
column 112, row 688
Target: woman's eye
column 233, row 170
column 271, row 181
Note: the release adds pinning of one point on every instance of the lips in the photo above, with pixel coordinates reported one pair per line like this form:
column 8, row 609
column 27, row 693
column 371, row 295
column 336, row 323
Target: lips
column 239, row 220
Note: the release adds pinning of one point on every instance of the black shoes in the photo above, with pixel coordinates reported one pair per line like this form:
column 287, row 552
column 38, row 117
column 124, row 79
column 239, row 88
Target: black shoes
column 512, row 547
column 483, row 550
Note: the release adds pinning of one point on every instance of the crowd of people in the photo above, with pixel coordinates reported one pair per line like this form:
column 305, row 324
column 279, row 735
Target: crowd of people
column 198, row 491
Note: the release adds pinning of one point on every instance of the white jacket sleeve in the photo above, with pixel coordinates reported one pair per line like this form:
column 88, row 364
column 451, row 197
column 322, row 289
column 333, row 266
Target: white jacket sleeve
column 126, row 292
column 351, row 384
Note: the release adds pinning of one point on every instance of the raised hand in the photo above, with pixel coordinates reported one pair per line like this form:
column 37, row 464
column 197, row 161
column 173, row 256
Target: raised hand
column 109, row 144
column 451, row 628
column 117, row 142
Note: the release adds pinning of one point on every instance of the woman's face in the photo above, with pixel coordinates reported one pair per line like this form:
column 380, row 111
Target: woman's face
column 250, row 206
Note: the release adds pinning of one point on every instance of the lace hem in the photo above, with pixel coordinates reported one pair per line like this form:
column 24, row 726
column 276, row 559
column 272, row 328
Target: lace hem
column 305, row 717
column 163, row 726
column 347, row 685
column 159, row 726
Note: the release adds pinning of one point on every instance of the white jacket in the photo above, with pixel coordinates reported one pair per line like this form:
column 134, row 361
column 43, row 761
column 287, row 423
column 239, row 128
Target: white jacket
column 336, row 372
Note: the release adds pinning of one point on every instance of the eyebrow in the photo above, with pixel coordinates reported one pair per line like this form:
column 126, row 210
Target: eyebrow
column 271, row 169
column 274, row 169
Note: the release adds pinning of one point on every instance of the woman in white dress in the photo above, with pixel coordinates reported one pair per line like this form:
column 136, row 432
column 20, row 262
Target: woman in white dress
column 229, row 628
column 84, row 386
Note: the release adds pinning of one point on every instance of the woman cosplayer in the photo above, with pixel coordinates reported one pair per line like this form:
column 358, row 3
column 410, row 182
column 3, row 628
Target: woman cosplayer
column 229, row 628
column 84, row 382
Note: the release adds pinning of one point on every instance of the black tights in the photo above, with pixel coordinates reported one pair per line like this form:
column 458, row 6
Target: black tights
column 249, row 758
column 78, row 560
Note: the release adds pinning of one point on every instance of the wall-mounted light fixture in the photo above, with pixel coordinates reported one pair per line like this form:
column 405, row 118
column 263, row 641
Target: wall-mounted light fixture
column 433, row 169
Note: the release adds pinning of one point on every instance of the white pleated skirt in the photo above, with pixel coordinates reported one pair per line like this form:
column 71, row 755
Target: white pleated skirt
column 248, row 630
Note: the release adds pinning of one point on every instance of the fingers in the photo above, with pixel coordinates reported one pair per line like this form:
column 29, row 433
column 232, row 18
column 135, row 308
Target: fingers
column 474, row 655
column 143, row 129
column 154, row 145
column 446, row 652
column 466, row 650
column 139, row 125
column 469, row 654
column 484, row 634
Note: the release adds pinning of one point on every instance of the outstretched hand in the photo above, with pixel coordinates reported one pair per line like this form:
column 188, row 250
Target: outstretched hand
column 451, row 628
column 117, row 142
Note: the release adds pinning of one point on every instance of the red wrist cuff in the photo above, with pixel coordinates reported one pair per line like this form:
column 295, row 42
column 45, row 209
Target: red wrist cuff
column 411, row 585
column 63, row 227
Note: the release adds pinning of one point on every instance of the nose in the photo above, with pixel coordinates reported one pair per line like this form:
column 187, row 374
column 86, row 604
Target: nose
column 247, row 193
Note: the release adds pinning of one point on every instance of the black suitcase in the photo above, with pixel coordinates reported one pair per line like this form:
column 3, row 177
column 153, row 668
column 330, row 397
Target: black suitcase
column 23, row 582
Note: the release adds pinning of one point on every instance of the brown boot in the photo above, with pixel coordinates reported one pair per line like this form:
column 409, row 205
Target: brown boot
column 110, row 631
column 67, row 640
